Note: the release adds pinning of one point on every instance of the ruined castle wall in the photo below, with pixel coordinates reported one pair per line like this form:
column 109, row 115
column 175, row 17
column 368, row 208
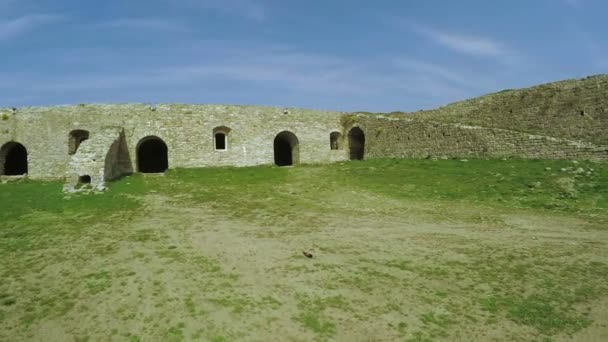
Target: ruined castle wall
column 401, row 138
column 186, row 129
column 118, row 161
column 566, row 119
column 574, row 110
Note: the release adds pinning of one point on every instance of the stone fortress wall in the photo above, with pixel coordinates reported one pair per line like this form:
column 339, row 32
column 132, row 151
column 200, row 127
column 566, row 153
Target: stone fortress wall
column 96, row 143
column 116, row 132
column 561, row 120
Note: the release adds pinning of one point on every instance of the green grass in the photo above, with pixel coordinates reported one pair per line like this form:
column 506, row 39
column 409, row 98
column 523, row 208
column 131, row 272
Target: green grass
column 28, row 197
column 280, row 192
column 55, row 260
column 317, row 324
column 513, row 183
column 542, row 312
column 175, row 333
column 98, row 282
column 190, row 305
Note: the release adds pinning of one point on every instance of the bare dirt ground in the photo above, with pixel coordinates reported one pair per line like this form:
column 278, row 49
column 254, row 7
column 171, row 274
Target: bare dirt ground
column 382, row 270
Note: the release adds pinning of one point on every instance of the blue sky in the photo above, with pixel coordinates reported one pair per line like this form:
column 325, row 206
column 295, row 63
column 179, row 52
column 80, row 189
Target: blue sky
column 381, row 55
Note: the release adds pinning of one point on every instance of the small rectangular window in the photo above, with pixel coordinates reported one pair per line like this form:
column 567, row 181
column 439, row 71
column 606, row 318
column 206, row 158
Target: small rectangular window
column 334, row 141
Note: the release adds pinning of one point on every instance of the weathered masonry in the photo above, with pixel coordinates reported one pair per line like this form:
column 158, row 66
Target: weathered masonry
column 561, row 120
column 98, row 143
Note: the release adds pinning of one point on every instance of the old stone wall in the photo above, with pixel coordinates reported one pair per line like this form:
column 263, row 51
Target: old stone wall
column 403, row 138
column 187, row 130
column 100, row 158
column 567, row 119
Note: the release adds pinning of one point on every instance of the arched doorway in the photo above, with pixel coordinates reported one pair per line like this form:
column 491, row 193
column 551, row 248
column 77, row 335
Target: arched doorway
column 356, row 143
column 13, row 159
column 152, row 155
column 286, row 149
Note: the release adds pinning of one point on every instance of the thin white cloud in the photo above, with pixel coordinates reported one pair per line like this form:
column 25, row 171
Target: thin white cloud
column 435, row 70
column 146, row 24
column 472, row 45
column 293, row 71
column 278, row 69
column 12, row 28
column 467, row 44
column 250, row 9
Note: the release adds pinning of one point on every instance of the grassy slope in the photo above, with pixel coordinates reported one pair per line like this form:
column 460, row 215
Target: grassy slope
column 543, row 292
column 547, row 185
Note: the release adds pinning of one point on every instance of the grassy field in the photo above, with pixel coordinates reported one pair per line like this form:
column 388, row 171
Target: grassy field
column 404, row 250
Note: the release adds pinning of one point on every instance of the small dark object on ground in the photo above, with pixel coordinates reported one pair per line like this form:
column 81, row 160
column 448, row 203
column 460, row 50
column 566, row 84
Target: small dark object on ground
column 308, row 255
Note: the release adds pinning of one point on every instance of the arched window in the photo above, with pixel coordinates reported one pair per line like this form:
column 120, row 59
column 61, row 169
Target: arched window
column 335, row 141
column 75, row 139
column 13, row 159
column 286, row 149
column 152, row 155
column 220, row 138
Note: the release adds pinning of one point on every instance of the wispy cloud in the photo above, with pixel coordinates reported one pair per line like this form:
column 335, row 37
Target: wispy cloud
column 467, row 44
column 449, row 80
column 308, row 79
column 250, row 9
column 285, row 69
column 474, row 45
column 145, row 24
column 12, row 28
column 435, row 70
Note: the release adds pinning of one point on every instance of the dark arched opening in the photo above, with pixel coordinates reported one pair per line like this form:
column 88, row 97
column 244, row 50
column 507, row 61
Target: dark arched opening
column 220, row 137
column 286, row 149
column 152, row 155
column 86, row 179
column 75, row 139
column 220, row 141
column 356, row 143
column 13, row 156
column 335, row 142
